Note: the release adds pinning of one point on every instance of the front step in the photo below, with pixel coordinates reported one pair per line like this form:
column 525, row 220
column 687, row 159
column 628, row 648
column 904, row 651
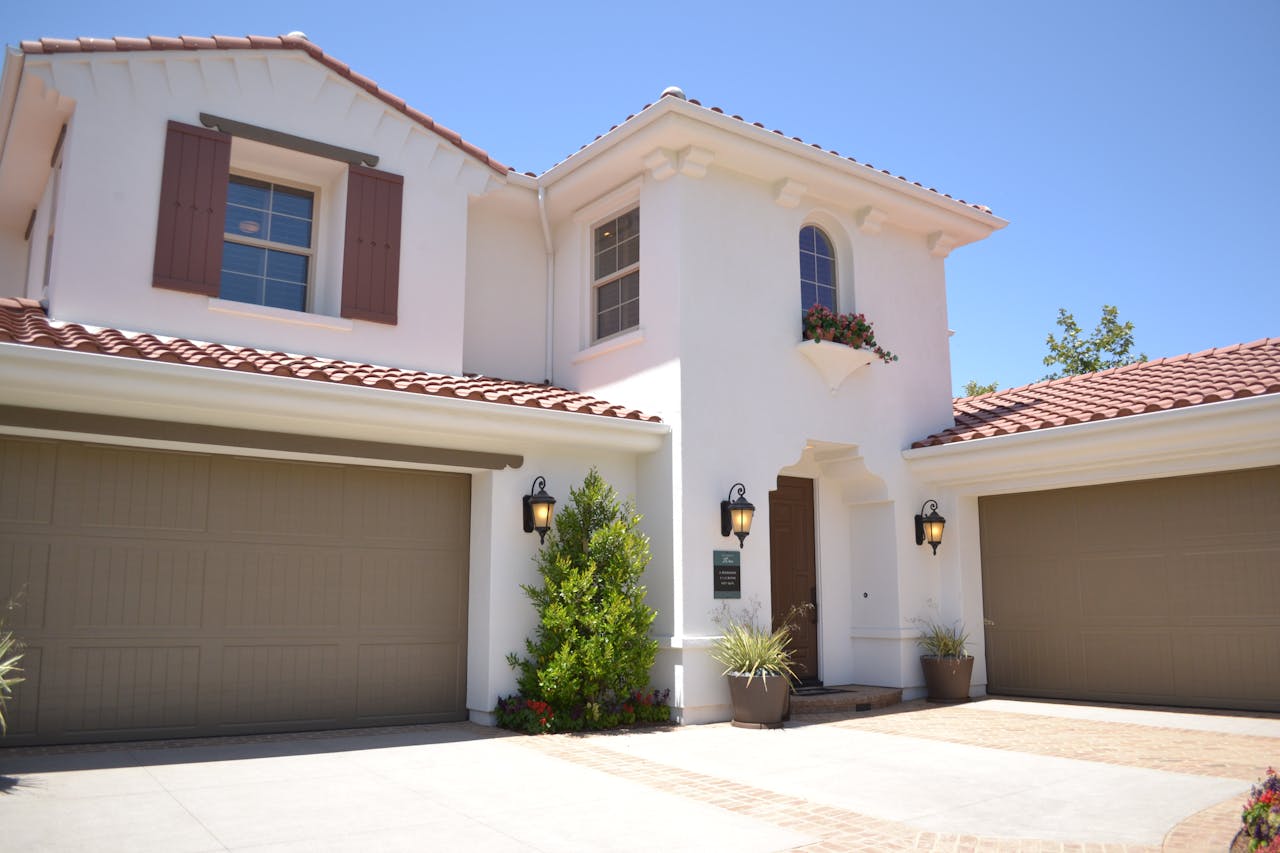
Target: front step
column 844, row 697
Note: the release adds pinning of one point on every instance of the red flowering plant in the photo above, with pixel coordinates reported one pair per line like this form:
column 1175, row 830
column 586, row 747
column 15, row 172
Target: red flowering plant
column 1261, row 815
column 533, row 716
column 854, row 330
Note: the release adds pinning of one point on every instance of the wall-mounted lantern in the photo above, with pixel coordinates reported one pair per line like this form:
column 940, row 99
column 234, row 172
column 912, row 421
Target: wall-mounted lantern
column 736, row 514
column 929, row 527
column 538, row 509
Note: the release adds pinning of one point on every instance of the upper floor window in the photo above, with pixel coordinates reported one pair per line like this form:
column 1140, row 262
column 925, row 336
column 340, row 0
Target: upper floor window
column 268, row 244
column 616, row 278
column 817, row 269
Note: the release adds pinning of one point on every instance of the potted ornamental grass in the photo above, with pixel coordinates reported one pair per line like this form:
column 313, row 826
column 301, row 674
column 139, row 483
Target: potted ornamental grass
column 852, row 330
column 947, row 664
column 759, row 666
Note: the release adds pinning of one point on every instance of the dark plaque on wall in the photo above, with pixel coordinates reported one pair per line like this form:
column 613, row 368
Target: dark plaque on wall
column 727, row 574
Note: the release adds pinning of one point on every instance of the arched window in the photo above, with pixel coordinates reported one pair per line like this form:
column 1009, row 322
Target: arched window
column 817, row 269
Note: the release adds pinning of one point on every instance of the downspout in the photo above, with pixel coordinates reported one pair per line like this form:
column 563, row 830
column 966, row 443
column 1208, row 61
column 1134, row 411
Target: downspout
column 551, row 272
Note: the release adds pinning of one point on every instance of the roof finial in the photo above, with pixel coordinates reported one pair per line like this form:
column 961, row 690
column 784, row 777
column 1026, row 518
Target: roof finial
column 674, row 91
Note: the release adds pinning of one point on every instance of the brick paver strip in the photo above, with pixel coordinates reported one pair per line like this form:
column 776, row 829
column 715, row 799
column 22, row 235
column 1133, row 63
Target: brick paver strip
column 839, row 830
column 1198, row 753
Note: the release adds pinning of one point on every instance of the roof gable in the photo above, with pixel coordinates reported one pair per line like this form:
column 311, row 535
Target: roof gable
column 1209, row 376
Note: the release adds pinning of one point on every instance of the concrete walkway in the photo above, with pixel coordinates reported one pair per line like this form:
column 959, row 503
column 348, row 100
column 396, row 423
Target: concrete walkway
column 990, row 775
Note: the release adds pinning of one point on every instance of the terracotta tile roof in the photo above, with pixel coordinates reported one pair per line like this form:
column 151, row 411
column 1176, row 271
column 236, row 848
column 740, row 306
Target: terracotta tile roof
column 1210, row 376
column 23, row 321
column 287, row 42
column 979, row 207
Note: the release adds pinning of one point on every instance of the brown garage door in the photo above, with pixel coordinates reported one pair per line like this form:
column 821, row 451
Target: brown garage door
column 1160, row 591
column 175, row 594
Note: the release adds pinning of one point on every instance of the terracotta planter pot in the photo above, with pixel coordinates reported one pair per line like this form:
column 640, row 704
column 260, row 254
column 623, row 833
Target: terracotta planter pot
column 762, row 704
column 947, row 679
column 820, row 335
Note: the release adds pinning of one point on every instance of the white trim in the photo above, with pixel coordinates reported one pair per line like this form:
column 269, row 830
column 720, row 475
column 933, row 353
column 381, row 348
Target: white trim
column 616, row 199
column 1228, row 435
column 613, row 343
column 280, row 315
column 110, row 385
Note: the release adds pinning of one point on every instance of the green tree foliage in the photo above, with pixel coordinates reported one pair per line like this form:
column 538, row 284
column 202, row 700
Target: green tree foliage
column 973, row 388
column 1107, row 346
column 592, row 645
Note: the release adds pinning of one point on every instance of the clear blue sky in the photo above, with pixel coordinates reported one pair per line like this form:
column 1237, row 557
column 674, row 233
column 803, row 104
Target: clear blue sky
column 1134, row 146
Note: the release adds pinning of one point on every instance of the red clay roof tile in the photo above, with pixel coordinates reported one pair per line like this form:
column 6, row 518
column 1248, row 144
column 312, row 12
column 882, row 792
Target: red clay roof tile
column 23, row 321
column 288, row 42
column 1208, row 376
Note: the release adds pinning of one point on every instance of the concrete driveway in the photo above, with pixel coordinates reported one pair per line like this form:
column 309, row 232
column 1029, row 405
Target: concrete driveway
column 990, row 775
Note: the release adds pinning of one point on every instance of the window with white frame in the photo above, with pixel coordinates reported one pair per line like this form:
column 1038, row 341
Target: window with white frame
column 616, row 278
column 268, row 246
column 817, row 269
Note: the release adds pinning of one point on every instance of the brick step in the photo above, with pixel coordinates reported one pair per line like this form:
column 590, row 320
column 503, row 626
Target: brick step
column 846, row 697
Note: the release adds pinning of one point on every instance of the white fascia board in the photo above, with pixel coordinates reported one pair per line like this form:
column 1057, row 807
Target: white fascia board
column 66, row 380
column 1229, row 435
column 807, row 154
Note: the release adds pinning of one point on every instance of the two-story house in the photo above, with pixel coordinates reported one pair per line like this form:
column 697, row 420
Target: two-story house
column 281, row 356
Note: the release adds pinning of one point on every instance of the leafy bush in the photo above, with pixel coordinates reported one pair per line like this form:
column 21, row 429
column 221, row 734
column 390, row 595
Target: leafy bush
column 533, row 716
column 10, row 655
column 590, row 658
column 1261, row 816
column 943, row 641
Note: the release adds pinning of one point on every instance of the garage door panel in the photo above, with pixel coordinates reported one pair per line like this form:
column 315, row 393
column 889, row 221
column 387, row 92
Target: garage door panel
column 284, row 588
column 27, row 481
column 117, row 689
column 129, row 491
column 24, row 577
column 401, row 679
column 241, row 608
column 113, row 586
column 273, row 683
column 1164, row 592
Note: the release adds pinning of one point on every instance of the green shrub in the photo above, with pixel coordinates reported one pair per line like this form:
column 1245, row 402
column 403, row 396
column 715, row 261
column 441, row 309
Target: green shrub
column 10, row 655
column 943, row 641
column 592, row 651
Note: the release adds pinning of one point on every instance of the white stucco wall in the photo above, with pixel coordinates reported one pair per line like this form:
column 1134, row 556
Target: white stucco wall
column 113, row 156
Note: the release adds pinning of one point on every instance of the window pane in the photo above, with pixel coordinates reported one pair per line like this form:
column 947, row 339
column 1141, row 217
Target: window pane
column 241, row 288
column 630, row 286
column 629, row 225
column 246, row 221
column 281, row 294
column 826, row 273
column 631, row 314
column 607, row 236
column 808, row 267
column 291, row 202
column 827, row 296
column 290, row 231
column 607, row 323
column 806, row 238
column 606, row 263
column 248, row 192
column 808, row 295
column 607, row 296
column 287, row 266
column 629, row 252
column 822, row 245
column 237, row 257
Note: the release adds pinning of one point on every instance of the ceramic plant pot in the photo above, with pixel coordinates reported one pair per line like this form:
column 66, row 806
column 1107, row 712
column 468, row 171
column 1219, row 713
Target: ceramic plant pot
column 760, row 704
column 947, row 679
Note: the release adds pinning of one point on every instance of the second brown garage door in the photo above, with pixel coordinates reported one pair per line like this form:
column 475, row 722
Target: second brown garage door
column 177, row 594
column 1160, row 591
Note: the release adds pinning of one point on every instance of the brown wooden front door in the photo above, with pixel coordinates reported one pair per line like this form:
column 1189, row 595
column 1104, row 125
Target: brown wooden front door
column 793, row 574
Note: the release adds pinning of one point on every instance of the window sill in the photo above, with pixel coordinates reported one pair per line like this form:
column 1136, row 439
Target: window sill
column 280, row 315
column 834, row 362
column 608, row 345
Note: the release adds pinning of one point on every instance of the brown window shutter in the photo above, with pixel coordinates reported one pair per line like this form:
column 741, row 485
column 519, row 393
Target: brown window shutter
column 193, row 202
column 371, row 252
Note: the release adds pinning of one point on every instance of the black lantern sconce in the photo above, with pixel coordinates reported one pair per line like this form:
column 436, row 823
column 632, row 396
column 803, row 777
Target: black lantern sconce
column 538, row 509
column 736, row 514
column 929, row 527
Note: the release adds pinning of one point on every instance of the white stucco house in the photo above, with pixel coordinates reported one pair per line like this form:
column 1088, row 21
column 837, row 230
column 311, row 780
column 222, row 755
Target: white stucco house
column 281, row 356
